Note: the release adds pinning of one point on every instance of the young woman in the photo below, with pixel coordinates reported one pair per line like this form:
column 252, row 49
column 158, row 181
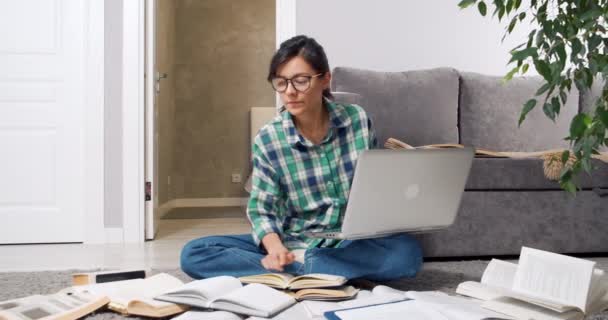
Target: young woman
column 303, row 166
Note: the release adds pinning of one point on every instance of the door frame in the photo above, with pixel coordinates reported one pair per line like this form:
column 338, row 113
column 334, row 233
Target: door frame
column 93, row 139
column 133, row 104
column 133, row 115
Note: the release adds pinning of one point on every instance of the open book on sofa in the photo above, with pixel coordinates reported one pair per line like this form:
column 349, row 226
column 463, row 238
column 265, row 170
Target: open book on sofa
column 544, row 285
column 228, row 294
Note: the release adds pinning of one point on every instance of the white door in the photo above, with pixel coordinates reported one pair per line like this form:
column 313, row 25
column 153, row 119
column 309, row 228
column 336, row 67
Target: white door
column 42, row 120
column 153, row 87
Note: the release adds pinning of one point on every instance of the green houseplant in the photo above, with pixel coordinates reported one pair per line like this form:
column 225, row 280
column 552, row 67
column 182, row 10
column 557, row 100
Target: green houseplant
column 568, row 47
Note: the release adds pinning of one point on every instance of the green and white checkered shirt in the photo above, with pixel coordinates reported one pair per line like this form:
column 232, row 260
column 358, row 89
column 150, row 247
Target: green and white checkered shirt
column 298, row 186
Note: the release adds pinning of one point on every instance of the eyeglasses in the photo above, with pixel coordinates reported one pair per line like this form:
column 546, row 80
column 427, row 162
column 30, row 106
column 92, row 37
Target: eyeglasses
column 300, row 83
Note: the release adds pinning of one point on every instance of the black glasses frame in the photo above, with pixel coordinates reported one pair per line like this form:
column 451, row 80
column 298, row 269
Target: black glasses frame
column 290, row 80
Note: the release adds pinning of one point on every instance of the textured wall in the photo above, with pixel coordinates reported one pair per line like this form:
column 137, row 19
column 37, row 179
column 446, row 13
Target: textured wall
column 165, row 63
column 223, row 49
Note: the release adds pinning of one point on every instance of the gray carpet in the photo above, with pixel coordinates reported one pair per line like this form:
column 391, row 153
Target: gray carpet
column 443, row 276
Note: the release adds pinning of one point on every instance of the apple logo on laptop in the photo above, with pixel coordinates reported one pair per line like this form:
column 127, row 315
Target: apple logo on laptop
column 412, row 191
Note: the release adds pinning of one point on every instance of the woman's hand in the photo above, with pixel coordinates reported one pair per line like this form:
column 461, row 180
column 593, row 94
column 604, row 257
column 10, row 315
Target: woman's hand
column 278, row 256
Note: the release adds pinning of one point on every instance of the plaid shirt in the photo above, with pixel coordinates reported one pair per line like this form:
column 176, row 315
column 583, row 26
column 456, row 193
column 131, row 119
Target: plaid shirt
column 298, row 186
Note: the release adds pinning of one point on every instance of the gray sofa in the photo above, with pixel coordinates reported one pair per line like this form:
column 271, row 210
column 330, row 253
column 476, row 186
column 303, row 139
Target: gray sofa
column 507, row 202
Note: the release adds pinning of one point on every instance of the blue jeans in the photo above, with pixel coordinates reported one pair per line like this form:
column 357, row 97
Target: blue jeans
column 379, row 259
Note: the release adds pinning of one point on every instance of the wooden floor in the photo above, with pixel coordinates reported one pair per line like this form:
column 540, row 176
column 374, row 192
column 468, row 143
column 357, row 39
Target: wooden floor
column 161, row 253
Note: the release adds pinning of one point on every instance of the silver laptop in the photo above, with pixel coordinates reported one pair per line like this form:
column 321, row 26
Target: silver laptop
column 404, row 191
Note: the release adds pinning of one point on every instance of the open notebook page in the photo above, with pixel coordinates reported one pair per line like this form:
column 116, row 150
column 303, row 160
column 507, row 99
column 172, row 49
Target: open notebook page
column 553, row 278
column 207, row 289
column 390, row 311
column 255, row 297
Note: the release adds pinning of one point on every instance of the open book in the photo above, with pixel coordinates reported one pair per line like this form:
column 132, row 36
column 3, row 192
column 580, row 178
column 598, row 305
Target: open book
column 64, row 305
column 544, row 285
column 228, row 294
column 442, row 305
column 136, row 297
column 325, row 294
column 392, row 143
column 287, row 281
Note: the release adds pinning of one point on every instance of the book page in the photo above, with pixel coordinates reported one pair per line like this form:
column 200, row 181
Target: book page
column 207, row 315
column 522, row 310
column 315, row 280
column 499, row 273
column 254, row 299
column 277, row 280
column 554, row 278
column 206, row 289
column 381, row 294
column 598, row 298
column 143, row 290
column 128, row 290
column 481, row 291
column 381, row 290
column 334, row 293
column 453, row 307
column 62, row 305
column 390, row 311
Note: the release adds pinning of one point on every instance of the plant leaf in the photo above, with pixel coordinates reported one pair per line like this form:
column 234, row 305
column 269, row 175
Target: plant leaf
column 483, row 9
column 556, row 106
column 579, row 124
column 565, row 156
column 564, row 96
column 465, row 3
column 569, row 186
column 543, row 69
column 511, row 73
column 543, row 89
column 548, row 110
column 528, row 106
column 603, row 115
column 524, row 69
column 523, row 54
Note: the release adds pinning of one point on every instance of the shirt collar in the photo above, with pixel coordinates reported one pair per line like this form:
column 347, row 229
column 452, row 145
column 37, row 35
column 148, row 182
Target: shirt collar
column 338, row 118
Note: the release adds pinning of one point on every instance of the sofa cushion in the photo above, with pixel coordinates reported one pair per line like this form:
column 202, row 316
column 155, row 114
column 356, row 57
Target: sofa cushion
column 500, row 223
column 348, row 98
column 490, row 110
column 420, row 107
column 525, row 174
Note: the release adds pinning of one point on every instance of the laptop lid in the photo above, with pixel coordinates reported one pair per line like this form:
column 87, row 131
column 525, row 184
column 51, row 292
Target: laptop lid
column 406, row 191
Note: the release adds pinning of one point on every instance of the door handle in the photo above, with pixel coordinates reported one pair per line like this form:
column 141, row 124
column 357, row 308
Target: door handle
column 159, row 76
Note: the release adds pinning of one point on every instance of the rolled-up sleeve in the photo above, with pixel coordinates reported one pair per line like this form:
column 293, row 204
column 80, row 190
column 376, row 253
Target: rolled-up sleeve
column 264, row 200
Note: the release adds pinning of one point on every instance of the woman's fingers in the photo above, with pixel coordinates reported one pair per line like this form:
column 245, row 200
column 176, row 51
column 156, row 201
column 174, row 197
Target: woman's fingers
column 271, row 262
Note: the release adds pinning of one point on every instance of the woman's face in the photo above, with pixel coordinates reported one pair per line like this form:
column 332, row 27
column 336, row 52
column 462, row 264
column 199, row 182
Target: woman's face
column 298, row 102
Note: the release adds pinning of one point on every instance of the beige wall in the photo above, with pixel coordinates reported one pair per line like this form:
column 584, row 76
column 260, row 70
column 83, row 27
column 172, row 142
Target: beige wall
column 223, row 49
column 165, row 63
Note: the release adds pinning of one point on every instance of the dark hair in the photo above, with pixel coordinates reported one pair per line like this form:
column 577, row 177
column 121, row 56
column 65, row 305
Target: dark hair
column 305, row 47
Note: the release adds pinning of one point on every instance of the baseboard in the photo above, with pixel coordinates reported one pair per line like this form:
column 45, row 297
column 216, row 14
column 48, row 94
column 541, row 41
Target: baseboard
column 114, row 235
column 200, row 202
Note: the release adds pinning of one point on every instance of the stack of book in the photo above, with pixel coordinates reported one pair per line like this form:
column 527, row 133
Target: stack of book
column 163, row 295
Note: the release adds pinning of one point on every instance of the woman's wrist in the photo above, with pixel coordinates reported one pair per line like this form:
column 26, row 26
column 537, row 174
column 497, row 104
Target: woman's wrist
column 273, row 244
